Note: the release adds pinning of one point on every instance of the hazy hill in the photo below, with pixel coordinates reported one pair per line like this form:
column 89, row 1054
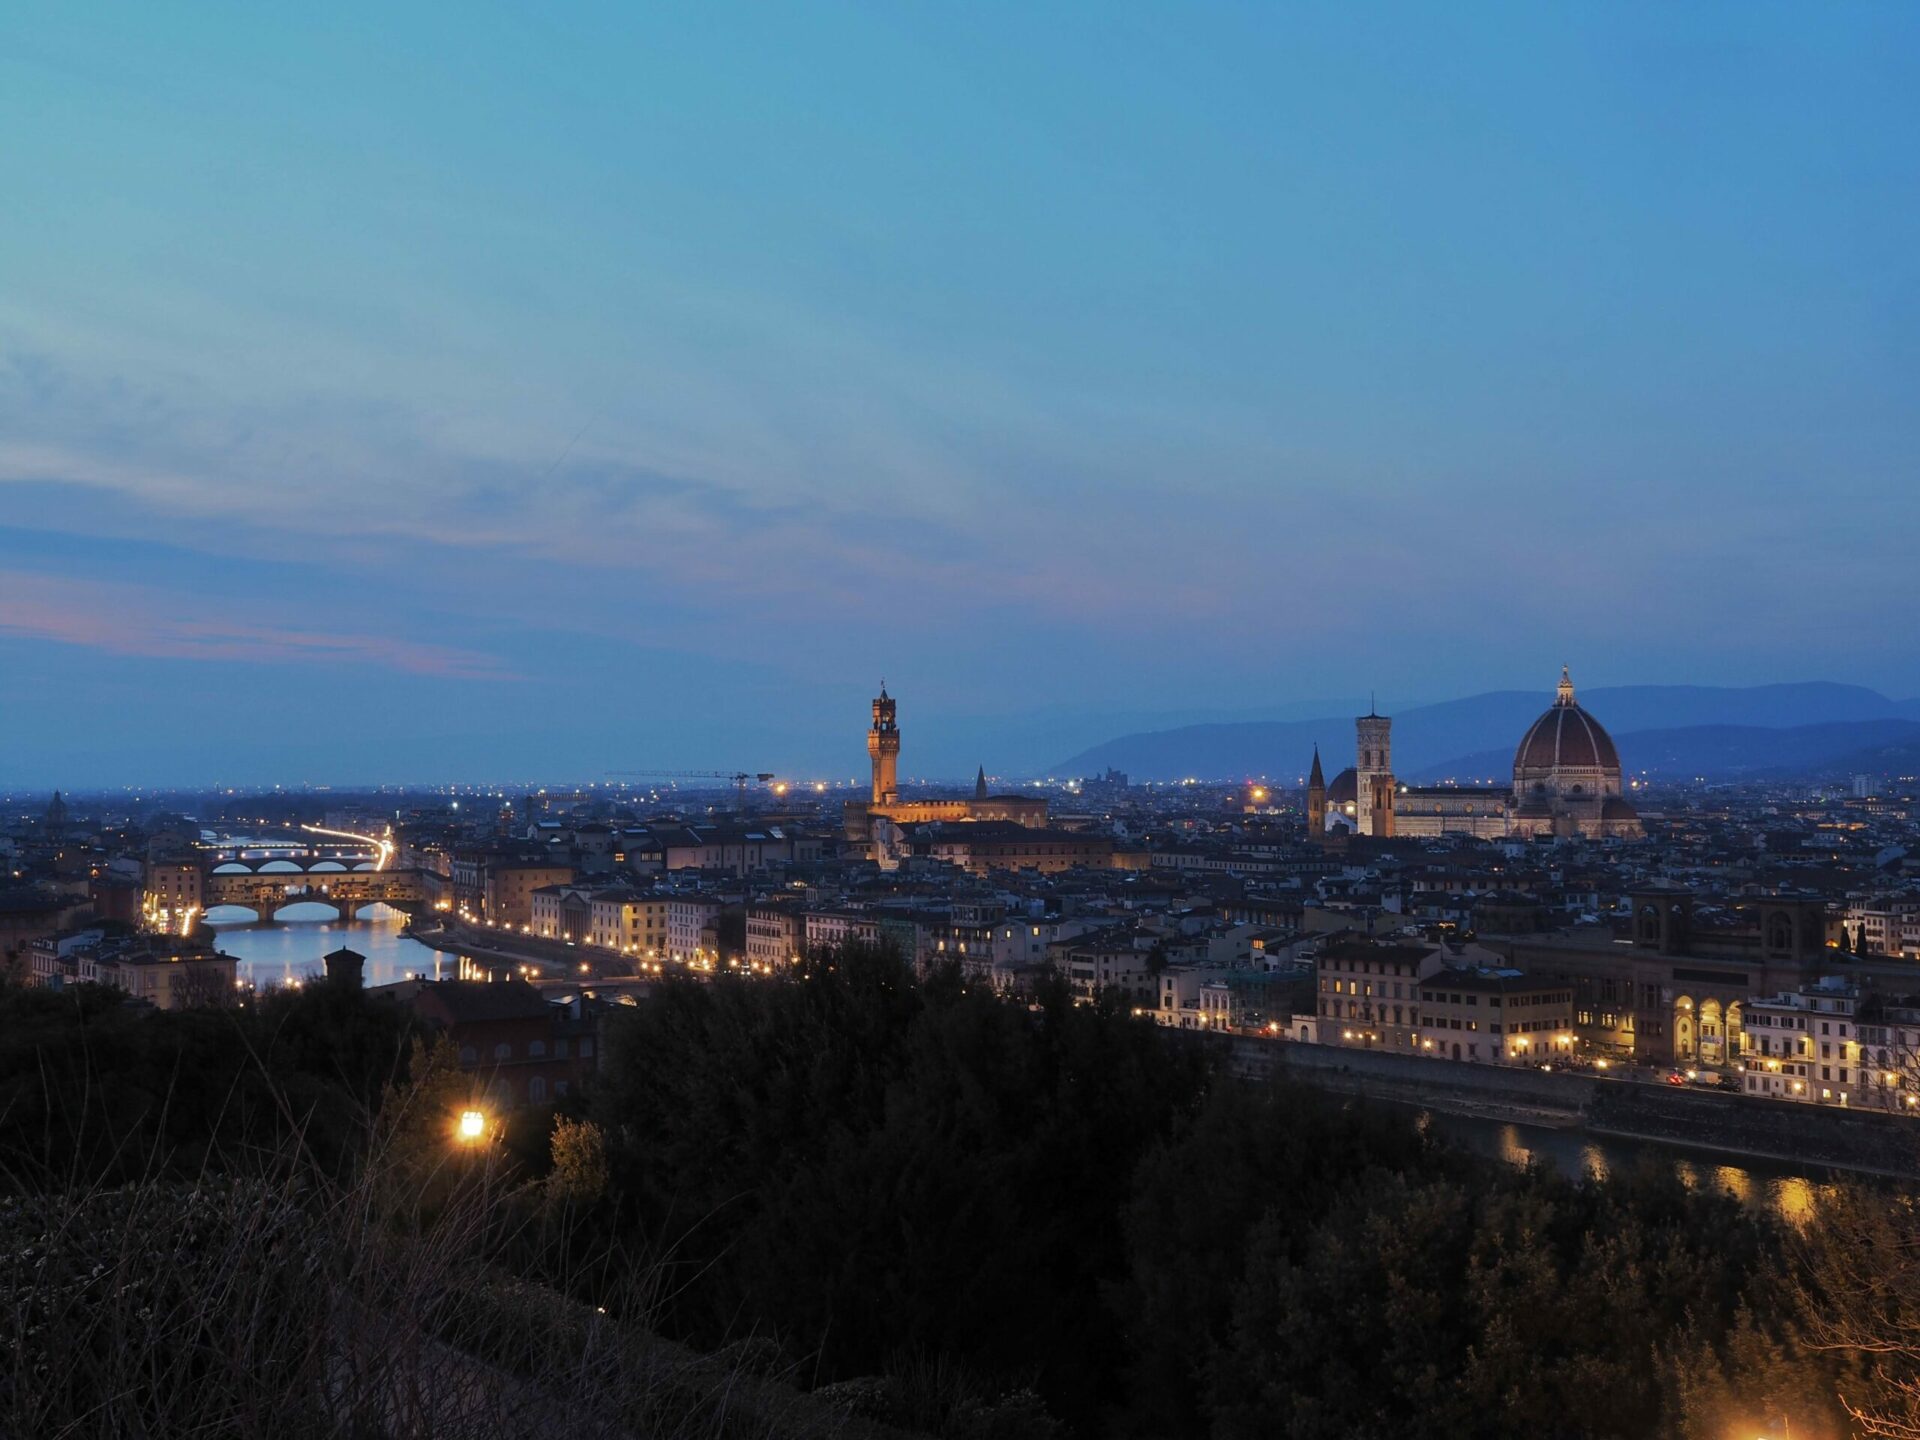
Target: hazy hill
column 1898, row 757
column 1717, row 750
column 1453, row 731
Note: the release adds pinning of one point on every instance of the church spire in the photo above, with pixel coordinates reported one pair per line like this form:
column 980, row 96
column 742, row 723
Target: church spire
column 1317, row 802
column 1565, row 696
column 980, row 784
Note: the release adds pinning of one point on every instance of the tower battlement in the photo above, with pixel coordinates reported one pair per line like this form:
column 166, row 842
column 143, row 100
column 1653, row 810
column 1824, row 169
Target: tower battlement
column 883, row 747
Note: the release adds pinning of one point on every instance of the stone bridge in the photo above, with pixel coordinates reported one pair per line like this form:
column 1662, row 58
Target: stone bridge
column 303, row 864
column 348, row 892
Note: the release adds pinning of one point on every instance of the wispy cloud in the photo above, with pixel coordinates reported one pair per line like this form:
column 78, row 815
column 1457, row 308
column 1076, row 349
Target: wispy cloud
column 147, row 621
column 682, row 524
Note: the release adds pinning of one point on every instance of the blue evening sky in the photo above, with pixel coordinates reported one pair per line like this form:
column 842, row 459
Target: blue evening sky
column 390, row 390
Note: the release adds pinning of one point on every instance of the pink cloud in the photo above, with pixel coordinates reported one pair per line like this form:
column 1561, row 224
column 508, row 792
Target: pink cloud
column 140, row 620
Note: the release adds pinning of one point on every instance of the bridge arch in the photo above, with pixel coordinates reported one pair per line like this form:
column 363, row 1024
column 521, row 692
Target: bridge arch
column 312, row 910
column 230, row 914
column 278, row 867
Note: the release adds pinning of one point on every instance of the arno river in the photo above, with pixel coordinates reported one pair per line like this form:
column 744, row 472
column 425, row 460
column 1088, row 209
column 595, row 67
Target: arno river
column 1784, row 1189
column 280, row 954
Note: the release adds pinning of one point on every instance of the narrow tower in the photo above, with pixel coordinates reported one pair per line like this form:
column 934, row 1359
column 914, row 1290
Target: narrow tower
column 1373, row 773
column 883, row 744
column 1317, row 802
column 980, row 784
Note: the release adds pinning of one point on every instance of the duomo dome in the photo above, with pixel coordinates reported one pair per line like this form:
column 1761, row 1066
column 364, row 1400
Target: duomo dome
column 1566, row 774
column 1566, row 752
column 1566, row 782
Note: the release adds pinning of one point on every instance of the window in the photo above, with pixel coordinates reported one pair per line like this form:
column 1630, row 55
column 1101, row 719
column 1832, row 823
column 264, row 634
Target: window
column 468, row 1055
column 503, row 1051
column 586, row 1047
column 536, row 1049
column 537, row 1090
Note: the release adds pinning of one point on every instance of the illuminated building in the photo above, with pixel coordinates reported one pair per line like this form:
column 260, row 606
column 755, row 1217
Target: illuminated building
column 1373, row 774
column 165, row 971
column 1496, row 1015
column 175, row 891
column 884, row 802
column 1369, row 992
column 1566, row 781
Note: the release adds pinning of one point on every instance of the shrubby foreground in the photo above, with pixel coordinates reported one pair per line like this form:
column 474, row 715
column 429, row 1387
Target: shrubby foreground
column 923, row 1206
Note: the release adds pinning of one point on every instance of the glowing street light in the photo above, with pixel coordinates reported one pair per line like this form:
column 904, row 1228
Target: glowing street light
column 472, row 1127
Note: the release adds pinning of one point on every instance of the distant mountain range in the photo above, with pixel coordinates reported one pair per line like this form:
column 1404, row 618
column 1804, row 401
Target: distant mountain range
column 1718, row 750
column 1668, row 730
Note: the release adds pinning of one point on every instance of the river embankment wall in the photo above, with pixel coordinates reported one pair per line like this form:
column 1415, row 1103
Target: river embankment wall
column 1716, row 1121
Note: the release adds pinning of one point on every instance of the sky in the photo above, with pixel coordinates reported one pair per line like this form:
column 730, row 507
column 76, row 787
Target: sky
column 399, row 392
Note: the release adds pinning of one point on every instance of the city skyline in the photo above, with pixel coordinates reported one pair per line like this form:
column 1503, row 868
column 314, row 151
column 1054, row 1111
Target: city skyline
column 978, row 722
column 653, row 385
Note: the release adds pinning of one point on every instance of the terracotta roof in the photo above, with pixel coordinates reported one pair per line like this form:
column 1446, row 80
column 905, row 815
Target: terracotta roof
column 1344, row 787
column 1566, row 737
column 459, row 1002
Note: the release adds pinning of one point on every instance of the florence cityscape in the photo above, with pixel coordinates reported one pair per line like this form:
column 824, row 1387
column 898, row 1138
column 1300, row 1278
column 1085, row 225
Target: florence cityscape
column 960, row 723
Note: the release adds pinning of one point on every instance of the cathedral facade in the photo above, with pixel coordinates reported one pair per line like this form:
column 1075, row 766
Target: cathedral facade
column 1566, row 781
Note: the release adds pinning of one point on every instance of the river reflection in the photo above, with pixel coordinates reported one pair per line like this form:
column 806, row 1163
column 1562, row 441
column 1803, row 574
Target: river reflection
column 288, row 953
column 1789, row 1192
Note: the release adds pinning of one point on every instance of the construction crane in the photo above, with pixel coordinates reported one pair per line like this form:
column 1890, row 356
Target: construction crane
column 738, row 777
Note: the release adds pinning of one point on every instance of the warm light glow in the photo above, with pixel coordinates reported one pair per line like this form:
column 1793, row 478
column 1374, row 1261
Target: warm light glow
column 473, row 1124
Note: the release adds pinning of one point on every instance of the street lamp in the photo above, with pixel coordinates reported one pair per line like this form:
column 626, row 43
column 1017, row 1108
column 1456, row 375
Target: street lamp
column 472, row 1127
